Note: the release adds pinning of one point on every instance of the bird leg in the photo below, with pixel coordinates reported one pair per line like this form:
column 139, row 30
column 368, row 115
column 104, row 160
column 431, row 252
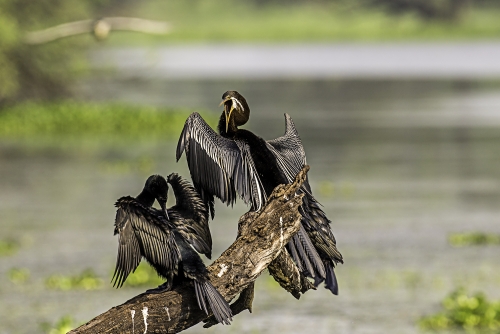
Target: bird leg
column 244, row 302
column 167, row 286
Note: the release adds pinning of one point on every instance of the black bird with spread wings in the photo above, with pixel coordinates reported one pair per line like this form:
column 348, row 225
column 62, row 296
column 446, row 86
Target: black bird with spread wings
column 164, row 238
column 236, row 162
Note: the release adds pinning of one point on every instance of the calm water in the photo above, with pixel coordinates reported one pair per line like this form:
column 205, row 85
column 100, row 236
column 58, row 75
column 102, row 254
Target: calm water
column 398, row 166
column 417, row 60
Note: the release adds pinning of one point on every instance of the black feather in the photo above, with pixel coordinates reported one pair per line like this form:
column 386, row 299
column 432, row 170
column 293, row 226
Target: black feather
column 207, row 293
column 331, row 280
column 166, row 244
column 239, row 162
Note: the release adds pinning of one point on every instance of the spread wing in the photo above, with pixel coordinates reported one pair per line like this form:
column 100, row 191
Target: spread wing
column 291, row 158
column 140, row 236
column 194, row 232
column 190, row 215
column 219, row 166
column 289, row 152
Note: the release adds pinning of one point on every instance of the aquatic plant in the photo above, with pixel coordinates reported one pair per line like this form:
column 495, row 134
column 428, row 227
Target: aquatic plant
column 474, row 314
column 473, row 239
column 62, row 326
column 8, row 247
column 71, row 118
column 144, row 276
column 18, row 275
column 87, row 280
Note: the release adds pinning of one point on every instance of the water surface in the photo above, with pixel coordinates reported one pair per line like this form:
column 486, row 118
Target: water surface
column 398, row 165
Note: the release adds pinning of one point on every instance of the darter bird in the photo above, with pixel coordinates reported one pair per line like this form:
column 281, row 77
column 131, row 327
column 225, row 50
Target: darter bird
column 164, row 238
column 238, row 162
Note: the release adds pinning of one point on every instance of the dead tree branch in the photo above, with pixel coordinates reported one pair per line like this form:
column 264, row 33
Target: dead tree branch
column 260, row 241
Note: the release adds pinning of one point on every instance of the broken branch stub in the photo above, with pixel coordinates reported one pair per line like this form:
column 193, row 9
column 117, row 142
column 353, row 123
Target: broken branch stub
column 260, row 240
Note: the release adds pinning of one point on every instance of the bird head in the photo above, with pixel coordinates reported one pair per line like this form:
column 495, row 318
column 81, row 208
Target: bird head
column 158, row 187
column 101, row 29
column 235, row 106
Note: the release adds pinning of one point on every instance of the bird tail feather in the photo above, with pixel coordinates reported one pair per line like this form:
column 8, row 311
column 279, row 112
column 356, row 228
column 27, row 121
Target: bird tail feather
column 308, row 255
column 295, row 254
column 331, row 280
column 207, row 295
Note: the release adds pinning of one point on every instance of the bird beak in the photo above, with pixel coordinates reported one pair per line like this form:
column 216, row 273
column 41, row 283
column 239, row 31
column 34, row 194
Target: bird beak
column 228, row 114
column 224, row 101
column 164, row 208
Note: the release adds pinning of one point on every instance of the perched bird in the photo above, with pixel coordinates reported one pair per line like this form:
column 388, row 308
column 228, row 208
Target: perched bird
column 164, row 238
column 238, row 162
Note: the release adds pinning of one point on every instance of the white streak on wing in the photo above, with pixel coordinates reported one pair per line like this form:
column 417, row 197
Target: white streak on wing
column 260, row 197
column 145, row 316
column 168, row 313
column 133, row 323
column 223, row 269
column 281, row 227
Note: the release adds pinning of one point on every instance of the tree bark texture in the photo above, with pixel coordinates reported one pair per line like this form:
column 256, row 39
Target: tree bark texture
column 261, row 238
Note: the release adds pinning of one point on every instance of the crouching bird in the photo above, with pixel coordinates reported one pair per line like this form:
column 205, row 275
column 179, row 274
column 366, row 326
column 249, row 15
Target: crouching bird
column 238, row 162
column 167, row 239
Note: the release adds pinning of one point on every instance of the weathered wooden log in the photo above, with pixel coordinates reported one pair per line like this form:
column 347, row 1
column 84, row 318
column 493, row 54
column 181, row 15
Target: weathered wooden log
column 261, row 238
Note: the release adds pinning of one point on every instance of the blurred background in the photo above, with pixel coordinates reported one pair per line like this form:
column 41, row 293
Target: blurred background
column 397, row 103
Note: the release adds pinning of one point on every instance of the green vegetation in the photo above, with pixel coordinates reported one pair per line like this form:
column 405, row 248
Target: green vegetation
column 144, row 276
column 329, row 189
column 246, row 21
column 43, row 70
column 18, row 275
column 76, row 119
column 473, row 239
column 87, row 280
column 474, row 314
column 8, row 247
column 62, row 326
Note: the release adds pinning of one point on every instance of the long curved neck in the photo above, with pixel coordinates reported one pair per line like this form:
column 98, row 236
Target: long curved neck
column 231, row 129
column 146, row 198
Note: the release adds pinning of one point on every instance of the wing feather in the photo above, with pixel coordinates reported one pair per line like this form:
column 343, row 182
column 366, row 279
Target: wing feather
column 247, row 180
column 289, row 152
column 291, row 158
column 156, row 241
column 129, row 252
column 211, row 158
column 141, row 236
column 219, row 166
